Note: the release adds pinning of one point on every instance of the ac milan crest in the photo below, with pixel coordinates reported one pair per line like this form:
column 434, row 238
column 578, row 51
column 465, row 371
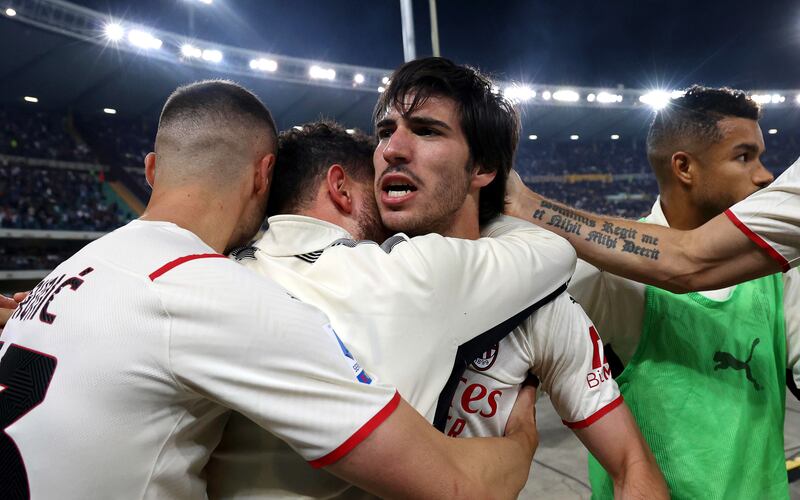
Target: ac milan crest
column 485, row 360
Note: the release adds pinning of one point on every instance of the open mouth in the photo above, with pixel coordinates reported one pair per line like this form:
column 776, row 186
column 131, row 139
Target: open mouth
column 397, row 187
column 398, row 190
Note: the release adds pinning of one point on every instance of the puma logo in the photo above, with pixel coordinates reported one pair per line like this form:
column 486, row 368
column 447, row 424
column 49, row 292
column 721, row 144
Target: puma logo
column 726, row 360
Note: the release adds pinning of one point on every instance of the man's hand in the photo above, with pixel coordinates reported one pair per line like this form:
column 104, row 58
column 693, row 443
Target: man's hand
column 516, row 191
column 521, row 424
column 8, row 304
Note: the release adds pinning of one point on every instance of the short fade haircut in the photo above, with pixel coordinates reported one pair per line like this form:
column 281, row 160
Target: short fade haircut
column 221, row 99
column 304, row 157
column 692, row 119
column 490, row 123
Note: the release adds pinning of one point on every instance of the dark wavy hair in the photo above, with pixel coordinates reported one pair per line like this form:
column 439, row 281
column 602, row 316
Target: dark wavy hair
column 490, row 122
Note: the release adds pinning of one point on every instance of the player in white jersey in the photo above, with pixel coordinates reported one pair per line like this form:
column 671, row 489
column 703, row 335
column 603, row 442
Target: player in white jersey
column 118, row 372
column 758, row 236
column 326, row 179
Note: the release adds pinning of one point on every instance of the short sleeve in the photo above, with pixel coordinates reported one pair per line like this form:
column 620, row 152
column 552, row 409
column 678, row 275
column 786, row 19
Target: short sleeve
column 771, row 218
column 260, row 352
column 570, row 362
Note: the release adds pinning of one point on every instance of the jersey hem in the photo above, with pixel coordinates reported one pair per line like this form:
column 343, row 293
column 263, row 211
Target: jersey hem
column 359, row 436
column 758, row 240
column 581, row 424
column 177, row 262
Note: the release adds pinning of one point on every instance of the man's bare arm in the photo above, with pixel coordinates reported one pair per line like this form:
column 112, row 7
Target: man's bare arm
column 407, row 458
column 615, row 441
column 712, row 256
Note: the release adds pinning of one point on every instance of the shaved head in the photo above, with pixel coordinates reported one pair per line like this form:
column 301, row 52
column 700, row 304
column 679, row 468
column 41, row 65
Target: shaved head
column 209, row 131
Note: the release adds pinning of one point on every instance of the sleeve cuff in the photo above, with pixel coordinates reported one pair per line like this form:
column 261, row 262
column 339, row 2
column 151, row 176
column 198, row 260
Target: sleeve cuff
column 581, row 424
column 758, row 240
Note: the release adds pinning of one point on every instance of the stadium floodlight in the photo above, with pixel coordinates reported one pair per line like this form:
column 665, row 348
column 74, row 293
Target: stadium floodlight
column 772, row 131
column 320, row 73
column 264, row 65
column 495, row 89
column 143, row 39
column 546, row 95
column 298, row 127
column 207, row 2
column 614, row 137
column 533, row 137
column 591, row 97
column 385, row 80
column 767, row 98
column 114, row 32
column 797, row 99
column 110, row 111
column 212, row 55
column 11, row 12
column 381, row 90
column 566, row 95
column 358, row 78
column 519, row 93
column 608, row 98
column 32, row 99
column 574, row 137
column 350, row 131
column 189, row 50
column 656, row 99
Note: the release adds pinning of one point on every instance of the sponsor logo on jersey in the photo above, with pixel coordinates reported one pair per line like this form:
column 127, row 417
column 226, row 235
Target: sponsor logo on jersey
column 360, row 374
column 486, row 360
column 601, row 372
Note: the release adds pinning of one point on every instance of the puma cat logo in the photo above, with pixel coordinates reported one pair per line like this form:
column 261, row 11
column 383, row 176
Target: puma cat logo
column 726, row 360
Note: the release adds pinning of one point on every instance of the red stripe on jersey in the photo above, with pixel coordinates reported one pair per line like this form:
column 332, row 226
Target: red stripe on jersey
column 360, row 435
column 581, row 424
column 758, row 240
column 177, row 262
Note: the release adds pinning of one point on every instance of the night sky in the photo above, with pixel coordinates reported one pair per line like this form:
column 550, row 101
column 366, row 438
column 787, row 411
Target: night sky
column 637, row 43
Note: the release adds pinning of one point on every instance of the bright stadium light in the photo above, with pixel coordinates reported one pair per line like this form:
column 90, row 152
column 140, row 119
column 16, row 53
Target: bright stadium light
column 566, row 95
column 381, row 90
column 114, row 32
column 264, row 65
column 495, row 89
column 519, row 93
column 656, row 99
column 110, row 111
column 614, row 137
column 608, row 98
column 574, row 137
column 32, row 99
column 591, row 97
column 189, row 50
column 385, row 80
column 772, row 131
column 546, row 95
column 298, row 127
column 533, row 137
column 207, row 2
column 143, row 39
column 212, row 55
column 797, row 99
column 319, row 73
column 768, row 98
column 11, row 12
column 358, row 78
column 350, row 131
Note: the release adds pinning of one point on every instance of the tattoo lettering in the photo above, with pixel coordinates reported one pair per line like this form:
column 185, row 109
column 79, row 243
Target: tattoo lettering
column 538, row 214
column 631, row 247
column 650, row 240
column 623, row 232
column 602, row 239
column 564, row 224
column 568, row 214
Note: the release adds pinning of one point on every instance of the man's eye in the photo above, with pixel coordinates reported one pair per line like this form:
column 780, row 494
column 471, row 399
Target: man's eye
column 742, row 157
column 384, row 133
column 426, row 131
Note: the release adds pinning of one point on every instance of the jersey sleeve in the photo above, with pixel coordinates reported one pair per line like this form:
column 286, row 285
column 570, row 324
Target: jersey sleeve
column 791, row 315
column 256, row 350
column 474, row 284
column 570, row 363
column 602, row 296
column 771, row 218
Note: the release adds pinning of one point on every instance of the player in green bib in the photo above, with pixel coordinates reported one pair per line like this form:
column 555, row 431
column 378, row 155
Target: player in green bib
column 704, row 373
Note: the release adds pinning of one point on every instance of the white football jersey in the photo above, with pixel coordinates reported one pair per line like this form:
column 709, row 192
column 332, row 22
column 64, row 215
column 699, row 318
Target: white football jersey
column 407, row 309
column 771, row 218
column 559, row 345
column 119, row 371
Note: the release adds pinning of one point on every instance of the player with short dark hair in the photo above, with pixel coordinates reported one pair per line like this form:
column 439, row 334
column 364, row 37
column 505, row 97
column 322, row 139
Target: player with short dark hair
column 723, row 352
column 119, row 370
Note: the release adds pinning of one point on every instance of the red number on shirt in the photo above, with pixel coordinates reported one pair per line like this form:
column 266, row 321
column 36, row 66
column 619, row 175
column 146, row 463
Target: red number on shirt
column 24, row 378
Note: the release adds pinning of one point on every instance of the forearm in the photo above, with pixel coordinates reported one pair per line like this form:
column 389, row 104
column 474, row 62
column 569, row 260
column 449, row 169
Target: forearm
column 641, row 479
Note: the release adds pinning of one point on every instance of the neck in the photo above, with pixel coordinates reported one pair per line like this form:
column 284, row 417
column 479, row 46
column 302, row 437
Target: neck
column 211, row 217
column 464, row 224
column 680, row 213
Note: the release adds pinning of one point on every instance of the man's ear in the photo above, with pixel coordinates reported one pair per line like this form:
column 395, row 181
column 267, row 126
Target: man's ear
column 150, row 169
column 339, row 188
column 263, row 173
column 481, row 177
column 683, row 166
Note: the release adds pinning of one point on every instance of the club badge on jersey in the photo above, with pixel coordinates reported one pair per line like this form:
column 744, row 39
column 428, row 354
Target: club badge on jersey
column 360, row 374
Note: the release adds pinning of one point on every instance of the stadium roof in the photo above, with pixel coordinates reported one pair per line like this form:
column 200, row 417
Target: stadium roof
column 632, row 42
